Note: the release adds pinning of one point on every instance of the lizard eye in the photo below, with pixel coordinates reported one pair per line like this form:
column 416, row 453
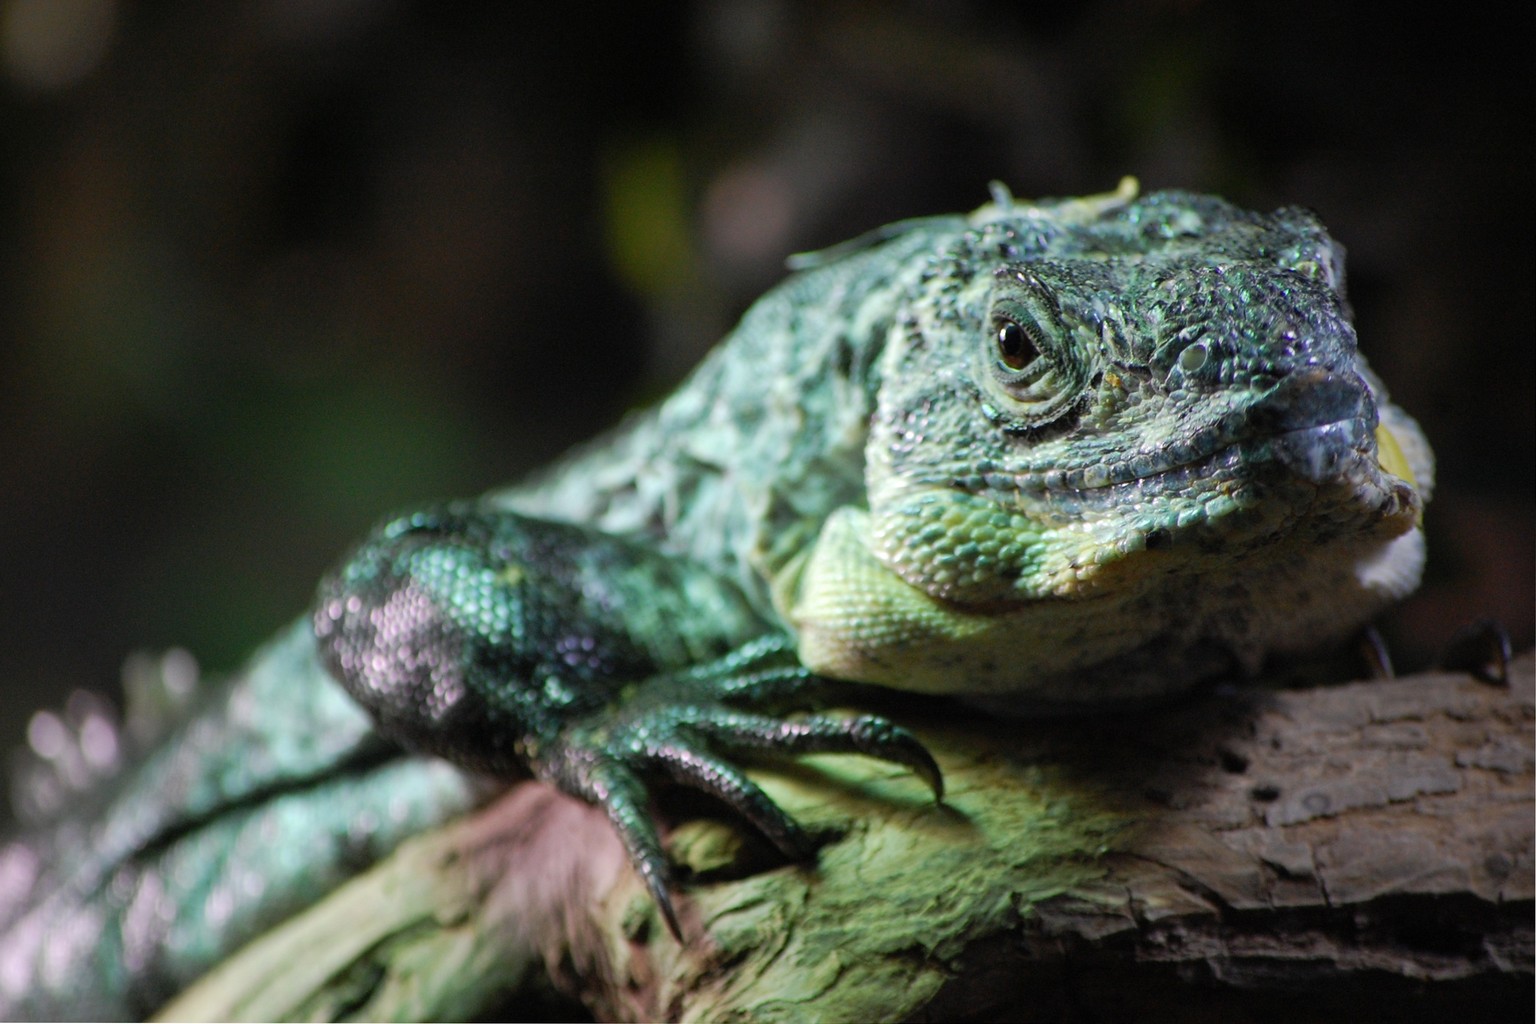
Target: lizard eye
column 1033, row 363
column 1015, row 348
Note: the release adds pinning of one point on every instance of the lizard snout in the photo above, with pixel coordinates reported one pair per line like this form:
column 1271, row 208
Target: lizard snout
column 1319, row 420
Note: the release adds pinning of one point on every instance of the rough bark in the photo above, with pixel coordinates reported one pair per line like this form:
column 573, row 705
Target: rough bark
column 1290, row 855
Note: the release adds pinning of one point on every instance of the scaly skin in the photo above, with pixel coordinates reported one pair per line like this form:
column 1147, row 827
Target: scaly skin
column 1050, row 456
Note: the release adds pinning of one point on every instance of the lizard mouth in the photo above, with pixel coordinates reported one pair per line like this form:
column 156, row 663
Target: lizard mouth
column 1334, row 472
column 1324, row 452
column 1314, row 429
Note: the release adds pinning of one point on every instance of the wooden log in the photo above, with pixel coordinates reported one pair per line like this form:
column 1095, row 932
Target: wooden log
column 1265, row 855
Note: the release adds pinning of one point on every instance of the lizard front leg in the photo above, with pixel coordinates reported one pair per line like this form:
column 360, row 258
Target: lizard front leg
column 510, row 645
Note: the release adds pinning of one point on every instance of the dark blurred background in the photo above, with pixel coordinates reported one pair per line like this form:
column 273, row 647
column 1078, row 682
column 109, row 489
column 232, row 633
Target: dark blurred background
column 271, row 269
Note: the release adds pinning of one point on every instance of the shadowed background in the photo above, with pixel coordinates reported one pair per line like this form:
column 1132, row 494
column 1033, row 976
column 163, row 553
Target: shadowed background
column 272, row 269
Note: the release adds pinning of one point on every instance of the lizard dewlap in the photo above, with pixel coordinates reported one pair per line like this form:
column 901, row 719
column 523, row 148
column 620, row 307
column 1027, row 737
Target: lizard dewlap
column 1061, row 455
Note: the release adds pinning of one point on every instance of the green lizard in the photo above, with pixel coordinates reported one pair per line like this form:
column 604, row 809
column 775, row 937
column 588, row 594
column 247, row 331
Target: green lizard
column 1051, row 456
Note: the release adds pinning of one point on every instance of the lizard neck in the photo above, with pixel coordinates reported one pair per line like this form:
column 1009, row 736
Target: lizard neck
column 739, row 467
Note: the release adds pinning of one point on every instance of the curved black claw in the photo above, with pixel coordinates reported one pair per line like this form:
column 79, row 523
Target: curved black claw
column 1374, row 653
column 1482, row 648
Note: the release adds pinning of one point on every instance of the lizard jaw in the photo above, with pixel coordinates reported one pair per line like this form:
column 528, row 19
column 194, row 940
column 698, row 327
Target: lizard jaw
column 1314, row 431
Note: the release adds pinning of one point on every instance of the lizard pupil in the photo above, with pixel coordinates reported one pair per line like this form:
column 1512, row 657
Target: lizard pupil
column 1014, row 346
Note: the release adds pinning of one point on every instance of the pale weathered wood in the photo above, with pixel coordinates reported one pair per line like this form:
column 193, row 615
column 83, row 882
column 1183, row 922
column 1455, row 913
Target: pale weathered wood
column 1310, row 854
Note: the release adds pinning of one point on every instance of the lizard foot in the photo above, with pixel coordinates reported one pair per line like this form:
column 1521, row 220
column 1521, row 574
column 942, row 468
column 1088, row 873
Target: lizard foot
column 680, row 728
column 1482, row 648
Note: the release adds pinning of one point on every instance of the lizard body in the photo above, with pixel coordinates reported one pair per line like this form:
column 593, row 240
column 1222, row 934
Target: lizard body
column 1051, row 456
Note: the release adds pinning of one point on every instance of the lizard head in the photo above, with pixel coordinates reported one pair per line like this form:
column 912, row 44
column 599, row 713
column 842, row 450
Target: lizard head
column 1087, row 396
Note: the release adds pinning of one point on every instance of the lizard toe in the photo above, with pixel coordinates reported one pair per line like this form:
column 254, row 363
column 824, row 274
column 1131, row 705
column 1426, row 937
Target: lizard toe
column 870, row 735
column 700, row 769
column 611, row 785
